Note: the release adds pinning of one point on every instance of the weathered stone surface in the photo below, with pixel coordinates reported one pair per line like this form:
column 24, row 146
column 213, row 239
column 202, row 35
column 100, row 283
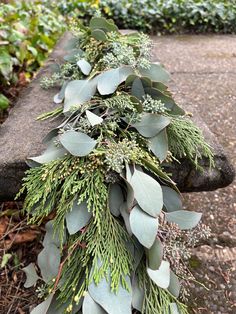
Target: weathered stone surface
column 21, row 137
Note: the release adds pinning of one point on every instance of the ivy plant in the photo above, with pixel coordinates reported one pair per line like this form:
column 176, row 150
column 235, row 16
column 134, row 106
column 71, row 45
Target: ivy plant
column 28, row 31
column 118, row 238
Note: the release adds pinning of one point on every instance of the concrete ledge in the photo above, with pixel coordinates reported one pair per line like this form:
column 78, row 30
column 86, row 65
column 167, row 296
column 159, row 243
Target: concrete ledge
column 21, row 136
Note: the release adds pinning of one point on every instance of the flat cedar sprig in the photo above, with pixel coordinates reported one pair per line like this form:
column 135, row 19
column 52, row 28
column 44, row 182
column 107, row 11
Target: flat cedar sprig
column 117, row 214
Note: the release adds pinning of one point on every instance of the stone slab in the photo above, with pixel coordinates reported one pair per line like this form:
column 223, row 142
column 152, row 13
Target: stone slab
column 21, row 136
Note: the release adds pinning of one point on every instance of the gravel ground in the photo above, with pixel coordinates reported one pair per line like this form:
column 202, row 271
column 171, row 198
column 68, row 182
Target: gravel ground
column 203, row 72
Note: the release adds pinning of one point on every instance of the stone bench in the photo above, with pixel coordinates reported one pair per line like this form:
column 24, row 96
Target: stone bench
column 21, row 136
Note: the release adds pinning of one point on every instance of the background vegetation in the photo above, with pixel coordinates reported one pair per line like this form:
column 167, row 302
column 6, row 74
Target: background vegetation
column 30, row 29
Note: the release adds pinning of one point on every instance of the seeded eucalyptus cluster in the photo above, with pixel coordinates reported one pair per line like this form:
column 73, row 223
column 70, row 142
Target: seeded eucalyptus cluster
column 116, row 239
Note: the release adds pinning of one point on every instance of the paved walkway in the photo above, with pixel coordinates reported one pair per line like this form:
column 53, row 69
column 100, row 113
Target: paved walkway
column 203, row 72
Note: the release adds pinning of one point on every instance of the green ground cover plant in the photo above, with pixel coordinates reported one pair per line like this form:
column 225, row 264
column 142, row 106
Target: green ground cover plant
column 161, row 16
column 118, row 239
column 28, row 32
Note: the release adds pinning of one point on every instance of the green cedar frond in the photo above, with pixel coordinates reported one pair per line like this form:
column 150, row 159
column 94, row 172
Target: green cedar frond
column 186, row 140
column 156, row 299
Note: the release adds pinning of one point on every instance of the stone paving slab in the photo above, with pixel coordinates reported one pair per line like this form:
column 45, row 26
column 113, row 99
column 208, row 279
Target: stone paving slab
column 197, row 53
column 203, row 72
column 21, row 135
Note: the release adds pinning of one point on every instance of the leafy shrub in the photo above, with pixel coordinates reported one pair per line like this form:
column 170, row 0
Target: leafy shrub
column 163, row 16
column 28, row 31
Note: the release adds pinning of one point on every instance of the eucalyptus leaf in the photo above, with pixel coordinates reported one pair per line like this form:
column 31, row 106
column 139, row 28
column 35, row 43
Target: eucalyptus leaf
column 129, row 195
column 116, row 199
column 151, row 124
column 51, row 135
column 102, row 23
column 91, row 307
column 147, row 192
column 43, row 307
column 61, row 94
column 57, row 308
column 108, row 81
column 129, row 80
column 137, row 295
column 93, row 118
column 126, row 216
column 78, row 217
column 184, row 219
column 137, row 89
column 174, row 308
column 159, row 145
column 128, row 172
column 72, row 55
column 99, row 35
column 31, row 275
column 174, row 286
column 57, row 99
column 136, row 250
column 161, row 276
column 124, row 72
column 156, row 72
column 143, row 226
column 172, row 200
column 155, row 254
column 52, row 152
column 84, row 66
column 78, row 92
column 77, row 143
column 49, row 261
column 112, row 303
column 51, row 237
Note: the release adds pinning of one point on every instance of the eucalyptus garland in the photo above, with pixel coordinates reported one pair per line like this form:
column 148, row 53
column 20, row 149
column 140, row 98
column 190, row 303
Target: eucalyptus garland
column 118, row 239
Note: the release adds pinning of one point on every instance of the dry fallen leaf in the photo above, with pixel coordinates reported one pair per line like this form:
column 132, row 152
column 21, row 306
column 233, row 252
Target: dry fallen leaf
column 22, row 237
column 3, row 225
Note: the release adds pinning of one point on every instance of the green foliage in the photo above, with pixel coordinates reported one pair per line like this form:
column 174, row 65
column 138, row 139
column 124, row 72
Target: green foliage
column 102, row 181
column 187, row 140
column 28, row 31
column 160, row 16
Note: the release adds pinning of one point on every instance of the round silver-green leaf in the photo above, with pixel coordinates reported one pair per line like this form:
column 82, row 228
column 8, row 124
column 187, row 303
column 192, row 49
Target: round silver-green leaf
column 31, row 275
column 172, row 200
column 147, row 192
column 155, row 254
column 174, row 287
column 77, row 143
column 79, row 91
column 93, row 118
column 91, row 307
column 151, row 124
column 184, row 219
column 161, row 276
column 49, row 261
column 116, row 198
column 113, row 303
column 156, row 73
column 143, row 226
column 159, row 145
column 84, row 66
column 78, row 217
column 43, row 307
column 137, row 295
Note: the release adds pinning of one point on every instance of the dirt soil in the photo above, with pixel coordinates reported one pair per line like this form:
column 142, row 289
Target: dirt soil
column 203, row 69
